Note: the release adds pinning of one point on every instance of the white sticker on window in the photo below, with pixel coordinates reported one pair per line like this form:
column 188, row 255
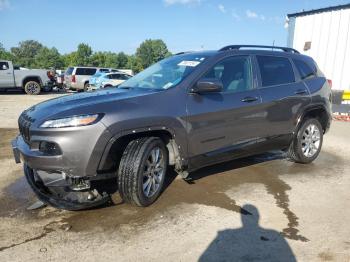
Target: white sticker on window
column 189, row 63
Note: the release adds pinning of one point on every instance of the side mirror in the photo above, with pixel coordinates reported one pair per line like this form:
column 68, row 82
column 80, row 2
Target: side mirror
column 207, row 85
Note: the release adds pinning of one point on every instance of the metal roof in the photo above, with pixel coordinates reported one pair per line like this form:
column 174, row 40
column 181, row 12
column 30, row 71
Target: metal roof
column 320, row 10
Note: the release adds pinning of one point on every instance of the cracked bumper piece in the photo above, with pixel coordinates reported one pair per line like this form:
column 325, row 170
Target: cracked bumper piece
column 55, row 191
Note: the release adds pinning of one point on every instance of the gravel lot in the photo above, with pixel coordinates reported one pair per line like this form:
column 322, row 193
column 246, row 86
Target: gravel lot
column 258, row 208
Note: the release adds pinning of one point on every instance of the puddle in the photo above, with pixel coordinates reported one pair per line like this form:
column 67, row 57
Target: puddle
column 207, row 187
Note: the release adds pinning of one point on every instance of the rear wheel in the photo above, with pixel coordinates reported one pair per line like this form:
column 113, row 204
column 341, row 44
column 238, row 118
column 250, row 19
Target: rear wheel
column 142, row 171
column 307, row 144
column 86, row 86
column 32, row 88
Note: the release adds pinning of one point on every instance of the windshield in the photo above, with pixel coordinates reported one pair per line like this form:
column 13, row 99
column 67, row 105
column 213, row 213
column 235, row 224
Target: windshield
column 166, row 73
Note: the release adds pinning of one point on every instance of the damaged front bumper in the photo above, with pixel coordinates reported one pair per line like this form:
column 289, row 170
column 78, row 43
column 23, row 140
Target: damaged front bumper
column 55, row 187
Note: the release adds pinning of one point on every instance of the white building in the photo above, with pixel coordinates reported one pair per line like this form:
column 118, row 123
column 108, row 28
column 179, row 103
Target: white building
column 324, row 34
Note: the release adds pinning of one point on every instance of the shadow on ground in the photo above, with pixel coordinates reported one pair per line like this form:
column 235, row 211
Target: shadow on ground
column 248, row 243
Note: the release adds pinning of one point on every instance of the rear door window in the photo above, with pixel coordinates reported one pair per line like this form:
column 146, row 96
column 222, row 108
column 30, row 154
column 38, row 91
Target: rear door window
column 275, row 70
column 85, row 71
column 115, row 76
column 104, row 70
column 304, row 69
column 124, row 77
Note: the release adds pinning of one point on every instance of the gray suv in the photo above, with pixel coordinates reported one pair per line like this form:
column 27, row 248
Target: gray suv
column 186, row 112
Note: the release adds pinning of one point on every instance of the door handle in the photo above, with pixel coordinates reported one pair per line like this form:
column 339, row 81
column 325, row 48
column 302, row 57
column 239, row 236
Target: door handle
column 301, row 92
column 249, row 99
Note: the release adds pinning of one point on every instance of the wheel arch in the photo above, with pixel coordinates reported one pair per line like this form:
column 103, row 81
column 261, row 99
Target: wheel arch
column 32, row 78
column 319, row 112
column 115, row 147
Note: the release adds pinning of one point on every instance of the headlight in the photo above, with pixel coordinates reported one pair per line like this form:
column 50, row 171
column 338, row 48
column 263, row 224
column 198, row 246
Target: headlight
column 82, row 120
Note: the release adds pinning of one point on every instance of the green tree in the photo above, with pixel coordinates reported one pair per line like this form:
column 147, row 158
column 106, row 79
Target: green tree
column 111, row 60
column 24, row 54
column 83, row 55
column 134, row 63
column 49, row 58
column 151, row 51
column 5, row 54
column 122, row 60
column 69, row 59
column 98, row 59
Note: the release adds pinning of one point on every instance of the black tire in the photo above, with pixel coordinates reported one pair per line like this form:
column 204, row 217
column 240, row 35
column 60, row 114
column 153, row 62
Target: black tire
column 295, row 151
column 132, row 168
column 32, row 88
column 86, row 86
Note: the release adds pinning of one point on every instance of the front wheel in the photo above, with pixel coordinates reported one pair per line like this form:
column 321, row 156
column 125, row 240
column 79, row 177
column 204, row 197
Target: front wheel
column 142, row 171
column 32, row 88
column 307, row 143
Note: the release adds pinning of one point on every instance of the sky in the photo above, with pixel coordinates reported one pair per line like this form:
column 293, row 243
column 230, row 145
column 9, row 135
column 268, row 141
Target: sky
column 121, row 25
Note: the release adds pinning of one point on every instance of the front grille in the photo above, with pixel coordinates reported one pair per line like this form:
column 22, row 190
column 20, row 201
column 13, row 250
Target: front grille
column 24, row 123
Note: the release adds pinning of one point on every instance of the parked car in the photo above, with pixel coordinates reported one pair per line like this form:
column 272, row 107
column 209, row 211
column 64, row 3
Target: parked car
column 77, row 78
column 32, row 81
column 187, row 111
column 108, row 80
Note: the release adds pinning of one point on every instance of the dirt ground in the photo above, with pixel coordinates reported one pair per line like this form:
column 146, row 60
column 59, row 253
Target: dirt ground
column 258, row 208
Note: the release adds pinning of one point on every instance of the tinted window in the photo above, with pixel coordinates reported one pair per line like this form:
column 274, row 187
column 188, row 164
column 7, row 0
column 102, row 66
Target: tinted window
column 69, row 70
column 124, row 77
column 234, row 72
column 104, row 70
column 114, row 76
column 85, row 71
column 304, row 69
column 4, row 65
column 275, row 70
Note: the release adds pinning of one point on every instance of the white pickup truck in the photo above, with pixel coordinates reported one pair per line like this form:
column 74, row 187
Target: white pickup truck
column 31, row 80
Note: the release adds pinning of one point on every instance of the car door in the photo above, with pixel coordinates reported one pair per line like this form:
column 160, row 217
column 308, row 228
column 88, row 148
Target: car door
column 226, row 121
column 6, row 75
column 283, row 98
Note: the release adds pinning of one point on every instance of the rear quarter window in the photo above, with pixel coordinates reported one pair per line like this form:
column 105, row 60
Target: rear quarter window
column 69, row 70
column 85, row 71
column 275, row 70
column 304, row 69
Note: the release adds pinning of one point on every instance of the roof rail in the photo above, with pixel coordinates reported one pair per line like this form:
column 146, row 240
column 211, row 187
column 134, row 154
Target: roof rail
column 181, row 53
column 237, row 47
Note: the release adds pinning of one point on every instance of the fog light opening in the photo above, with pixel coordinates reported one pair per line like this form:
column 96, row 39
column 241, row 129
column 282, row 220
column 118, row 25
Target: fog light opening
column 49, row 148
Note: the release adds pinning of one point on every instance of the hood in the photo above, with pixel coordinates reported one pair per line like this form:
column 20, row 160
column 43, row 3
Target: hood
column 80, row 102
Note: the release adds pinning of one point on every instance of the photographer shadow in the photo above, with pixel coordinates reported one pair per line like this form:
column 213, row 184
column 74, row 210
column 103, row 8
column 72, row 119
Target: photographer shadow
column 249, row 243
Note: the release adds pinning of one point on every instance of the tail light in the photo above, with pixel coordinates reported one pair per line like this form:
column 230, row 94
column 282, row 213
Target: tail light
column 73, row 79
column 330, row 83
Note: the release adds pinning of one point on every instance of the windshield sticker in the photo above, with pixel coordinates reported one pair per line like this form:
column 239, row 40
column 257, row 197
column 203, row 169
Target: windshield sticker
column 189, row 63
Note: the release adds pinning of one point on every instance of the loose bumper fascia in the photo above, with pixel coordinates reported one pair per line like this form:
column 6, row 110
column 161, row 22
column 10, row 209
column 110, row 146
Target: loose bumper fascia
column 33, row 158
